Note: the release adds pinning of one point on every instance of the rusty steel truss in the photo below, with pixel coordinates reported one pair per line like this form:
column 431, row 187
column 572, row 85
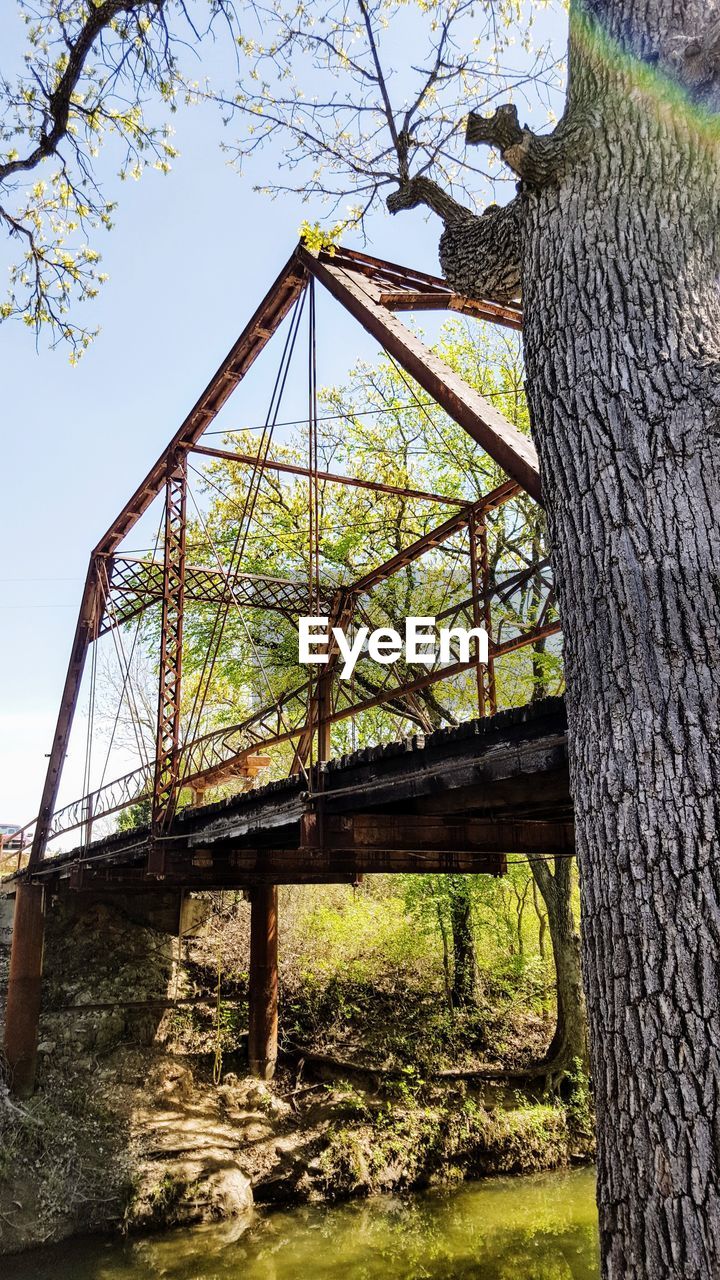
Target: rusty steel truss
column 120, row 587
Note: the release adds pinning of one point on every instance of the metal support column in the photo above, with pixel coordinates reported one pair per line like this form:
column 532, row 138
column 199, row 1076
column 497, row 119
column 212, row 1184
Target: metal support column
column 168, row 725
column 324, row 711
column 262, row 1047
column 22, row 1009
column 481, row 608
column 487, row 586
column 91, row 609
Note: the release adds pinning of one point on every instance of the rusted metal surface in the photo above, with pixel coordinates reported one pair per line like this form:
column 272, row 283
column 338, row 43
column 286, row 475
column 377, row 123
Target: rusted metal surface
column 483, row 590
column 119, row 588
column 480, row 609
column 215, row 754
column 242, row 355
column 87, row 623
column 171, row 642
column 437, row 300
column 361, row 296
column 22, row 1008
column 255, row 336
column 263, row 982
column 403, row 288
column 320, row 693
column 290, row 469
column 433, row 538
column 137, row 584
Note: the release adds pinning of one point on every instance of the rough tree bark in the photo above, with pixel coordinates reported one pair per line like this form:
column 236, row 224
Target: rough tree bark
column 619, row 264
column 569, row 1043
column 464, row 984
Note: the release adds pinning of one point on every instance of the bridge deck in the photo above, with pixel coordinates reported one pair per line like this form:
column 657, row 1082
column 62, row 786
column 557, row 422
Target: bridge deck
column 458, row 800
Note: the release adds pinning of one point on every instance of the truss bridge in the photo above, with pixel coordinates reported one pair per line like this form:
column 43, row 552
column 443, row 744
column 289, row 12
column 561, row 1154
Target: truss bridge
column 250, row 771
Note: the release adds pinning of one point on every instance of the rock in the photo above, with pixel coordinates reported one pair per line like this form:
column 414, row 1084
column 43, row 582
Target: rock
column 46, row 1046
column 177, row 1083
column 110, row 1031
column 227, row 1192
column 258, row 1094
column 203, row 1188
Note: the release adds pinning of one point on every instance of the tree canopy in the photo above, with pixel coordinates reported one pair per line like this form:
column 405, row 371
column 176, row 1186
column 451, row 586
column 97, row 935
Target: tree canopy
column 94, row 90
column 324, row 96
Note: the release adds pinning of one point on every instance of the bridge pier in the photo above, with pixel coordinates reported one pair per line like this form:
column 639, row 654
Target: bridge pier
column 263, row 987
column 22, row 1008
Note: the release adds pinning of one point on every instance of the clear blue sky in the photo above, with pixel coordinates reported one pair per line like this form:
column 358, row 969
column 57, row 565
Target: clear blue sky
column 190, row 257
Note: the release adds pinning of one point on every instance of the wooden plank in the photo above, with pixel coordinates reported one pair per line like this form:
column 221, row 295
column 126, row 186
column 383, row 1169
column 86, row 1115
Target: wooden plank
column 299, row 866
column 406, row 832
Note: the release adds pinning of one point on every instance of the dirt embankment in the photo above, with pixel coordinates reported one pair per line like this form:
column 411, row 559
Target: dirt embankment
column 127, row 1130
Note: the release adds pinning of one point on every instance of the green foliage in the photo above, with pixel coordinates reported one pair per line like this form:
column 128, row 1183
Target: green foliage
column 581, row 1115
column 364, row 970
column 441, row 1140
column 325, row 88
column 92, row 79
column 381, row 427
column 137, row 815
column 316, row 237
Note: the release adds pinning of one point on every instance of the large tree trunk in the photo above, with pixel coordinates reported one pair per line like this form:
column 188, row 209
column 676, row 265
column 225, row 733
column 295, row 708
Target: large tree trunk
column 464, row 985
column 620, row 284
column 569, row 1043
column 619, row 233
column 617, row 229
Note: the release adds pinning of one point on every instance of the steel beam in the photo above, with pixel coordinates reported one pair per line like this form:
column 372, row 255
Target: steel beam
column 434, row 537
column 254, row 337
column 435, row 300
column 288, row 468
column 256, row 334
column 171, row 641
column 22, row 1008
column 404, row 288
column 320, row 690
column 263, row 982
column 362, row 297
column 91, row 609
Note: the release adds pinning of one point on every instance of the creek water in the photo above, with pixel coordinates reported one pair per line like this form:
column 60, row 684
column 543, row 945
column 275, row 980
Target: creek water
column 542, row 1227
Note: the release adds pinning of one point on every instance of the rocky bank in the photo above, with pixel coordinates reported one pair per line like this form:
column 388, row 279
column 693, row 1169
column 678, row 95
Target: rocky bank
column 128, row 1131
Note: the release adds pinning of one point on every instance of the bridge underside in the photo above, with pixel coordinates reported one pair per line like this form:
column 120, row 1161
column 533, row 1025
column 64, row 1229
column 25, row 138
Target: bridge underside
column 457, row 801
column 454, row 801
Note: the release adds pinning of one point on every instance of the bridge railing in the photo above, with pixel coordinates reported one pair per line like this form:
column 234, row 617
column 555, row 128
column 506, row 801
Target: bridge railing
column 515, row 602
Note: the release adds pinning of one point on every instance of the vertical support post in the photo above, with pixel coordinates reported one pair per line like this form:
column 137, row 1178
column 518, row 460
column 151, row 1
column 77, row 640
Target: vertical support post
column 476, row 612
column 89, row 814
column 320, row 691
column 324, row 710
column 91, row 608
column 168, row 723
column 262, row 1045
column 22, row 1008
column 481, row 527
column 481, row 609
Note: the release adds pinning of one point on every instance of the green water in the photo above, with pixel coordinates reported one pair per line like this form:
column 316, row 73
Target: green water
column 538, row 1228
